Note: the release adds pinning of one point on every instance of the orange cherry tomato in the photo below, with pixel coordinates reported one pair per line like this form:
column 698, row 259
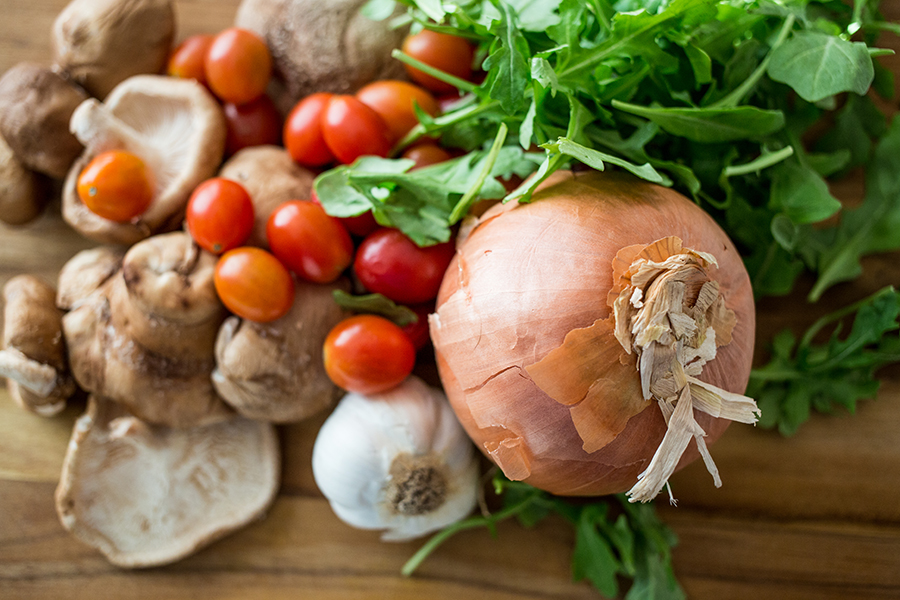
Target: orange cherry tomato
column 219, row 215
column 393, row 101
column 311, row 243
column 351, row 129
column 188, row 58
column 442, row 51
column 368, row 354
column 255, row 123
column 426, row 154
column 238, row 66
column 116, row 186
column 254, row 285
column 303, row 131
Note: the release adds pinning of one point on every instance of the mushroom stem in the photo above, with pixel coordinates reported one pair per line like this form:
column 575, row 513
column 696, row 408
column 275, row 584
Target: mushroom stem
column 30, row 374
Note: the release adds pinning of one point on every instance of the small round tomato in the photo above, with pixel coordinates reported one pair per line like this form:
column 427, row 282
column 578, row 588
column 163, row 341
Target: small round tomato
column 116, row 186
column 393, row 101
column 418, row 332
column 368, row 354
column 303, row 131
column 311, row 243
column 445, row 52
column 351, row 129
column 389, row 263
column 426, row 154
column 220, row 215
column 238, row 66
column 254, row 285
column 255, row 123
column 188, row 58
column 359, row 225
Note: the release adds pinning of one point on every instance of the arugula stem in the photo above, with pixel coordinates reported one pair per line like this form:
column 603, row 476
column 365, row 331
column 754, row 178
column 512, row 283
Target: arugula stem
column 763, row 162
column 461, row 84
column 445, row 121
column 735, row 97
column 469, row 198
column 837, row 315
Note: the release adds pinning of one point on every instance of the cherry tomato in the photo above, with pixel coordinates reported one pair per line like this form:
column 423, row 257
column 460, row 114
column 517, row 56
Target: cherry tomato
column 442, row 51
column 360, row 225
column 255, row 123
column 312, row 244
column 351, row 129
column 389, row 263
column 220, row 215
column 426, row 154
column 303, row 131
column 418, row 332
column 116, row 186
column 393, row 101
column 238, row 66
column 254, row 285
column 368, row 354
column 188, row 58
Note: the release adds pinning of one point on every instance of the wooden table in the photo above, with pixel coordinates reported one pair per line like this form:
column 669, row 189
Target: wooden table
column 816, row 516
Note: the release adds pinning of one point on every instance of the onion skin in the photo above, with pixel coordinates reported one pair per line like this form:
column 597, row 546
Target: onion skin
column 530, row 273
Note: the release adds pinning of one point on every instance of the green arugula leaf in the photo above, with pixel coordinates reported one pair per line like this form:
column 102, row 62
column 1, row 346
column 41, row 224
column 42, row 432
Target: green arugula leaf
column 817, row 65
column 802, row 194
column 596, row 159
column 710, row 125
column 376, row 304
column 508, row 64
column 593, row 558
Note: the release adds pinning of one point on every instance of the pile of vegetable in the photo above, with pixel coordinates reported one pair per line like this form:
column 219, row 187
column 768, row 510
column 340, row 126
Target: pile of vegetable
column 573, row 204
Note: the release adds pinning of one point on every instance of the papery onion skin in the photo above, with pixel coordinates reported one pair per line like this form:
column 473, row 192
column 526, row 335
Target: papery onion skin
column 530, row 273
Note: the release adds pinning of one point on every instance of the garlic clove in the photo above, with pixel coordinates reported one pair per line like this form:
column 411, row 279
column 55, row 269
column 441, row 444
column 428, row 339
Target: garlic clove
column 398, row 461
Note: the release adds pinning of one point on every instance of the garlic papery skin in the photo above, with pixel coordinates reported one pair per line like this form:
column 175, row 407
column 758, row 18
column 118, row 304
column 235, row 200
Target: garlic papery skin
column 397, row 461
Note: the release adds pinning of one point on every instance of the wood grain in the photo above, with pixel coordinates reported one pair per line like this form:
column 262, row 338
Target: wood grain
column 816, row 516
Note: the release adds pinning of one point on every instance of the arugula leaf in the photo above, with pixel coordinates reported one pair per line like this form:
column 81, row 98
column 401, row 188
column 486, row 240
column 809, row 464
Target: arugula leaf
column 802, row 194
column 818, row 65
column 508, row 64
column 802, row 376
column 376, row 304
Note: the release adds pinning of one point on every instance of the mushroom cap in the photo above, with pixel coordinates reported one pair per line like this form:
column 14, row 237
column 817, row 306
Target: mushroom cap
column 35, row 107
column 271, row 177
column 84, row 273
column 275, row 371
column 323, row 46
column 146, row 495
column 100, row 43
column 22, row 191
column 174, row 125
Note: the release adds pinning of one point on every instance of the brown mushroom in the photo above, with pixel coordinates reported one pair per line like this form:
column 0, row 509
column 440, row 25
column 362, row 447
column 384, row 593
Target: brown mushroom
column 271, row 177
column 145, row 337
column 275, row 371
column 323, row 46
column 174, row 125
column 85, row 273
column 147, row 495
column 23, row 192
column 35, row 107
column 100, row 43
column 33, row 358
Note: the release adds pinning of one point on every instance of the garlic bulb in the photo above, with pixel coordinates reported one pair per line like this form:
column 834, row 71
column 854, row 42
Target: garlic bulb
column 397, row 461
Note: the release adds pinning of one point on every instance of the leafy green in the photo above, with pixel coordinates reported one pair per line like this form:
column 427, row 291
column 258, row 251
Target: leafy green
column 803, row 375
column 376, row 304
column 613, row 539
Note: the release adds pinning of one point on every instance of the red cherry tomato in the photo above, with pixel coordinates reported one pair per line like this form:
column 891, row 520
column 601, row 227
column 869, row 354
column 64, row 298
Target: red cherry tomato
column 220, row 215
column 426, row 154
column 312, row 244
column 116, row 186
column 393, row 101
column 254, row 285
column 442, row 51
column 238, row 66
column 303, row 131
column 255, row 123
column 418, row 332
column 187, row 60
column 389, row 263
column 368, row 354
column 351, row 129
column 360, row 225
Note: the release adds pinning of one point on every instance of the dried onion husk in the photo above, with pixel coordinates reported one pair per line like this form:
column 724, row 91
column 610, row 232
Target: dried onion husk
column 528, row 275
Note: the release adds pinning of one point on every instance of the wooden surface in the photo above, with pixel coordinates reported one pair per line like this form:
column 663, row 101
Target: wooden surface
column 816, row 516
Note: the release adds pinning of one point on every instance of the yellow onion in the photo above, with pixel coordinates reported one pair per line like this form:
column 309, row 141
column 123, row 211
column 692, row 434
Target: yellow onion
column 571, row 415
